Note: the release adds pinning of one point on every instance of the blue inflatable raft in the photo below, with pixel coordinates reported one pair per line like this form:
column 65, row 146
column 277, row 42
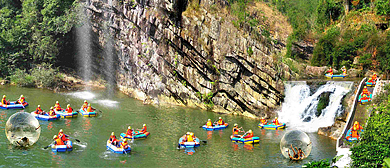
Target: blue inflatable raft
column 245, row 140
column 137, row 136
column 335, row 76
column 215, row 127
column 371, row 84
column 272, row 126
column 87, row 114
column 62, row 148
column 65, row 114
column 349, row 137
column 119, row 150
column 12, row 105
column 45, row 117
column 188, row 144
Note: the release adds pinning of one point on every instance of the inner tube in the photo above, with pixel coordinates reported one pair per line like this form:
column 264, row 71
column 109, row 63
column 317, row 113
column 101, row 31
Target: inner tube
column 272, row 126
column 12, row 105
column 45, row 117
column 335, row 76
column 119, row 150
column 215, row 127
column 364, row 101
column 87, row 114
column 65, row 114
column 62, row 148
column 137, row 136
column 245, row 140
column 189, row 144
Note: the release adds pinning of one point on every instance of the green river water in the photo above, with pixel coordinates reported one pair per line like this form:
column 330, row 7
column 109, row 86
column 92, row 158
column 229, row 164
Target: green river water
column 165, row 124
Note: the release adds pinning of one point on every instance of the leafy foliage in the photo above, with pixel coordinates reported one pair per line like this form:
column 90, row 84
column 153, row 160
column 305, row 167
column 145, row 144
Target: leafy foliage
column 40, row 76
column 31, row 32
column 320, row 163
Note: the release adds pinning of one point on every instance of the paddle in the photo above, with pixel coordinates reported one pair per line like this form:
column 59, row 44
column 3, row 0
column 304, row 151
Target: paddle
column 38, row 127
column 48, row 145
column 74, row 139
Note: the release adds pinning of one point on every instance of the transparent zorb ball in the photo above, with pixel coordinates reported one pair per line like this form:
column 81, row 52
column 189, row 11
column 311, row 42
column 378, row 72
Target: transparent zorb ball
column 297, row 139
column 22, row 129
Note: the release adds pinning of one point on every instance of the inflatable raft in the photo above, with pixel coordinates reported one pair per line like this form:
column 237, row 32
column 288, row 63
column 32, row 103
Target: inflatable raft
column 245, row 140
column 335, row 76
column 364, row 101
column 188, row 144
column 215, row 127
column 119, row 150
column 62, row 148
column 45, row 117
column 349, row 137
column 272, row 126
column 65, row 114
column 137, row 136
column 12, row 105
column 371, row 83
column 87, row 114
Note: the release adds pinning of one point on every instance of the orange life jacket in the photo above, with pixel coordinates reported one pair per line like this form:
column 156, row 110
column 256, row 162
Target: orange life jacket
column 235, row 130
column 89, row 109
column 357, row 127
column 69, row 110
column 330, row 71
column 38, row 110
column 85, row 105
column 62, row 136
column 249, row 135
column 112, row 138
column 263, row 121
column 221, row 122
column 190, row 138
column 374, row 77
column 124, row 144
column 355, row 134
column 21, row 100
column 57, row 106
column 59, row 141
column 129, row 132
column 365, row 91
column 209, row 123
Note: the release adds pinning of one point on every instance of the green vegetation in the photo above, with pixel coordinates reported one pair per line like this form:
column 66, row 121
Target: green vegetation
column 42, row 75
column 31, row 33
column 322, row 103
column 374, row 146
column 321, row 163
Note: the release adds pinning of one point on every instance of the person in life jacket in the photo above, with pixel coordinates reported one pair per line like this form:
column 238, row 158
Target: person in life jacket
column 220, row 121
column 276, row 121
column 263, row 121
column 365, row 91
column 355, row 134
column 52, row 112
column 371, row 80
column 330, row 71
column 190, row 137
column 374, row 77
column 113, row 139
column 85, row 105
column 3, row 101
column 356, row 126
column 344, row 70
column 20, row 100
column 209, row 123
column 365, row 97
column 69, row 109
column 143, row 130
column 58, row 141
column 63, row 136
column 236, row 130
column 129, row 132
column 57, row 106
column 248, row 134
column 124, row 144
column 90, row 109
column 185, row 137
column 38, row 110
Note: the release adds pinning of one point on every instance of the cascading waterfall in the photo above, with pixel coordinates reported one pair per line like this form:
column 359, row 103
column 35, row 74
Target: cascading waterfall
column 300, row 106
column 84, row 51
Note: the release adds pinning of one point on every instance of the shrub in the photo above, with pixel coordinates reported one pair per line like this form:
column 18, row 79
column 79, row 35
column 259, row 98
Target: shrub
column 42, row 75
column 320, row 163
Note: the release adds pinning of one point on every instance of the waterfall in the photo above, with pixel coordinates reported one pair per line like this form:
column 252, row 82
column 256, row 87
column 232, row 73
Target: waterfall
column 84, row 51
column 300, row 106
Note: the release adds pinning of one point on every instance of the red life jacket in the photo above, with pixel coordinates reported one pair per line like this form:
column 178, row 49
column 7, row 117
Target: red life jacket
column 143, row 129
column 62, row 136
column 263, row 121
column 235, row 130
column 129, row 132
column 113, row 138
column 21, row 100
column 249, row 135
column 276, row 122
column 69, row 110
column 38, row 110
column 3, row 101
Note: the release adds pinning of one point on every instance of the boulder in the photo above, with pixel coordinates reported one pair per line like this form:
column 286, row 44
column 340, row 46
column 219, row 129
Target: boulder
column 316, row 71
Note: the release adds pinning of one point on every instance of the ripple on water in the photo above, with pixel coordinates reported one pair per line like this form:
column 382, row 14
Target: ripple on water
column 109, row 103
column 82, row 95
column 108, row 155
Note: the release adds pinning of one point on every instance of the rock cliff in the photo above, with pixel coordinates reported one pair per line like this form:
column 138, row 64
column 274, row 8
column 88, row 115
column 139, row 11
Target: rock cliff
column 188, row 53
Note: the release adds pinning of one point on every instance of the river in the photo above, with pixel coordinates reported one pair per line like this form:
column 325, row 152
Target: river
column 165, row 124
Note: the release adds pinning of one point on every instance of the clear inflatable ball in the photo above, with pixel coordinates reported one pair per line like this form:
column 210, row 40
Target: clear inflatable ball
column 22, row 129
column 298, row 140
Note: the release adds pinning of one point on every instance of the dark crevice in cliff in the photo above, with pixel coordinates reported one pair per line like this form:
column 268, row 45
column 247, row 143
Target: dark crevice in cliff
column 231, row 97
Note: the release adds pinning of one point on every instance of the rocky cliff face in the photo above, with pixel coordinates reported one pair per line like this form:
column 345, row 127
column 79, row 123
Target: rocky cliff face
column 181, row 53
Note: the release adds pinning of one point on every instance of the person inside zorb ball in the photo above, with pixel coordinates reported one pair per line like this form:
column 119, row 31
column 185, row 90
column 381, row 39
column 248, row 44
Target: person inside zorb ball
column 295, row 145
column 22, row 129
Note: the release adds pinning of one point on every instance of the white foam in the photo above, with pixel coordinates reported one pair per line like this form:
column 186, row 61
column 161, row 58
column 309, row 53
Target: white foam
column 106, row 102
column 83, row 95
column 299, row 105
column 344, row 161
